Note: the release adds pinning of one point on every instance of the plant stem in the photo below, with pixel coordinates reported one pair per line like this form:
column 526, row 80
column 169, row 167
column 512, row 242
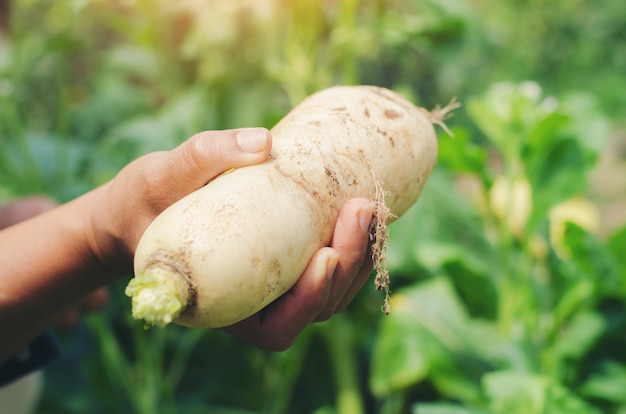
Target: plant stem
column 288, row 366
column 339, row 336
column 114, row 362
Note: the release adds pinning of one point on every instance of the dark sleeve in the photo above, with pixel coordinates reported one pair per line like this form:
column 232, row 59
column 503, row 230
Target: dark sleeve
column 38, row 353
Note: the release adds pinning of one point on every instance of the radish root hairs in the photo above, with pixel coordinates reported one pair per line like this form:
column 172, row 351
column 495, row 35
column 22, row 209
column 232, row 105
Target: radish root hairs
column 379, row 234
column 379, row 231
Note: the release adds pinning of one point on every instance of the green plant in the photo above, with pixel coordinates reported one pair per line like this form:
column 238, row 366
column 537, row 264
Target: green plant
column 487, row 293
column 510, row 305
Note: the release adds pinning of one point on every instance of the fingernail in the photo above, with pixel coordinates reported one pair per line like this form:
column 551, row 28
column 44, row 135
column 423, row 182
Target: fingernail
column 252, row 140
column 365, row 214
column 331, row 264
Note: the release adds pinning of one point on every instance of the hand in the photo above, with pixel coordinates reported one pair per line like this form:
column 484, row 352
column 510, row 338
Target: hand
column 23, row 209
column 54, row 260
column 329, row 283
column 148, row 185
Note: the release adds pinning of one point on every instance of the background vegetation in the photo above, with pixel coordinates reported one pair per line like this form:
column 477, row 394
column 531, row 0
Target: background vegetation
column 508, row 277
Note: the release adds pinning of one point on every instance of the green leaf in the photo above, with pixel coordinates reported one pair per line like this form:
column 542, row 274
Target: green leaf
column 460, row 155
column 114, row 101
column 401, row 355
column 184, row 116
column 511, row 392
column 545, row 140
column 420, row 239
column 507, row 113
column 474, row 283
column 429, row 335
column 545, row 132
column 594, row 259
column 574, row 340
column 587, row 124
column 617, row 247
column 555, row 176
column 445, row 408
column 608, row 384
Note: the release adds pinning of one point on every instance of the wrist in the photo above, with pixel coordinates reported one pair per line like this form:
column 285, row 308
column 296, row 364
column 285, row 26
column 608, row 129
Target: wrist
column 104, row 236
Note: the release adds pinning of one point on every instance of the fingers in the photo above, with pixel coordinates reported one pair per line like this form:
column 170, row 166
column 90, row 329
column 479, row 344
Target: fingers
column 210, row 153
column 351, row 241
column 93, row 302
column 276, row 327
column 360, row 279
column 331, row 280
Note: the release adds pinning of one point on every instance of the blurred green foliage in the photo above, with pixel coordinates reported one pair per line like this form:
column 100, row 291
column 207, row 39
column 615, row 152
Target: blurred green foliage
column 508, row 293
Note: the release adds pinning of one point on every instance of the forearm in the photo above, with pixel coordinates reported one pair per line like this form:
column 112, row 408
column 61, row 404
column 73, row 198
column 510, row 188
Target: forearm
column 47, row 266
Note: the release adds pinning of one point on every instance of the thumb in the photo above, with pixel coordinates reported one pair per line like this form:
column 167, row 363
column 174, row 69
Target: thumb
column 208, row 154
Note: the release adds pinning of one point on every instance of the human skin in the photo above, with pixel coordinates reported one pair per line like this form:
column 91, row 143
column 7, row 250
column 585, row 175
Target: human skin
column 26, row 208
column 54, row 260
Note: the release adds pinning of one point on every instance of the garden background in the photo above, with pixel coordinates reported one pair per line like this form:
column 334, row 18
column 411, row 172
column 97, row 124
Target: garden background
column 508, row 277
